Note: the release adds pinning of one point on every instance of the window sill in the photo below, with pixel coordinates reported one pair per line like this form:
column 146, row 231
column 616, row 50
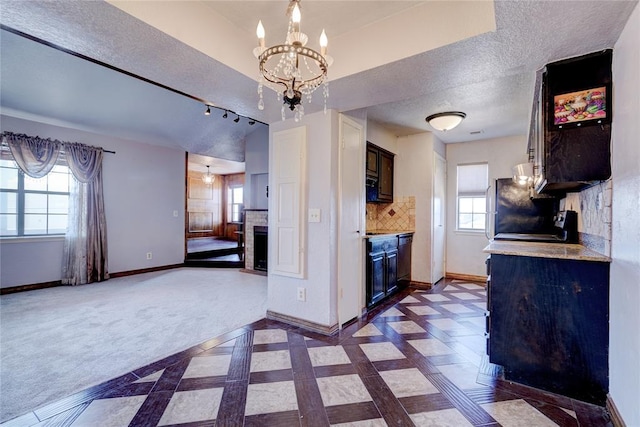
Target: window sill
column 471, row 232
column 31, row 239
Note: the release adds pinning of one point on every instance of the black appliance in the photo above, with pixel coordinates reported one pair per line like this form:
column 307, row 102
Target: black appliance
column 518, row 216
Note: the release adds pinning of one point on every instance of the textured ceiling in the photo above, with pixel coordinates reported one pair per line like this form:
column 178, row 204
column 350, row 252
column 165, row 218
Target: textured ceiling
column 489, row 76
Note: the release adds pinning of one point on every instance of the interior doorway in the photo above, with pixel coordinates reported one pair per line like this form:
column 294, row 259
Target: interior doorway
column 214, row 220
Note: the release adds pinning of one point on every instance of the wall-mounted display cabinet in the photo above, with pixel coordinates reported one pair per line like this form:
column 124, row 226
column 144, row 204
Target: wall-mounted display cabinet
column 570, row 135
column 379, row 179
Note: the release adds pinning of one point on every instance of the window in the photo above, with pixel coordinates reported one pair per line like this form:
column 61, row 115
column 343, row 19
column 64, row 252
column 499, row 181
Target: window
column 472, row 202
column 234, row 204
column 33, row 207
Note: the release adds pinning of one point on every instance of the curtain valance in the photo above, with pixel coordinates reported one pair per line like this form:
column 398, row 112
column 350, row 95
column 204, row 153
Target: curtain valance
column 36, row 156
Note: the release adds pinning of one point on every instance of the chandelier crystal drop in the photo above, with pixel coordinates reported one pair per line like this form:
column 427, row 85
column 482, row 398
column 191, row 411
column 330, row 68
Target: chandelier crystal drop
column 293, row 70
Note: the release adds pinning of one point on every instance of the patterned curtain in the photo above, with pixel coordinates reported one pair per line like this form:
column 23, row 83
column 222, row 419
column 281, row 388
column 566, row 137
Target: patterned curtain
column 85, row 248
column 85, row 244
column 33, row 155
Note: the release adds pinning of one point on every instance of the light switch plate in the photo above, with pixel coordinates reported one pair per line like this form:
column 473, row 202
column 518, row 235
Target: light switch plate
column 314, row 215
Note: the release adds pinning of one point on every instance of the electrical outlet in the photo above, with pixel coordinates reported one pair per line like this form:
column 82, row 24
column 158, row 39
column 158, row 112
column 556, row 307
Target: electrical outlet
column 302, row 294
column 149, row 255
column 314, row 215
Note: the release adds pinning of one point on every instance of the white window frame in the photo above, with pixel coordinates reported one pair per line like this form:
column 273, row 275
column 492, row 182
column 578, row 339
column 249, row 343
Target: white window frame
column 21, row 192
column 231, row 203
column 478, row 197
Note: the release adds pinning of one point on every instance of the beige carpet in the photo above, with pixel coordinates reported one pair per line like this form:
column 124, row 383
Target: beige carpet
column 58, row 341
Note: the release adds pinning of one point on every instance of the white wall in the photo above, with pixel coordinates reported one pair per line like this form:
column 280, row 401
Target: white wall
column 624, row 327
column 378, row 135
column 256, row 160
column 320, row 280
column 413, row 167
column 464, row 249
column 143, row 186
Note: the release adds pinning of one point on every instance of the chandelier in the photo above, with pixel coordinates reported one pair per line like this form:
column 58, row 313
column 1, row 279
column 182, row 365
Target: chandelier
column 292, row 69
column 208, row 177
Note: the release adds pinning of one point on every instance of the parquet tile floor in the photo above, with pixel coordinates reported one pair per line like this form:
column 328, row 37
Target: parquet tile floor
column 417, row 360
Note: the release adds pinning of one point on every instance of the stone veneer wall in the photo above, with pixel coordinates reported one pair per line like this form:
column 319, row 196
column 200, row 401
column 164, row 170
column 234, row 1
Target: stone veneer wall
column 593, row 206
column 397, row 216
column 252, row 218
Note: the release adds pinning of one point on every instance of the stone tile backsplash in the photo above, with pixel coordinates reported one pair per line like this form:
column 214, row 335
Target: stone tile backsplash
column 397, row 216
column 593, row 206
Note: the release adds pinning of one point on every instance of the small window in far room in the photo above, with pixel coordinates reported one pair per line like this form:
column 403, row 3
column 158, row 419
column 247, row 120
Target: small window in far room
column 472, row 182
column 234, row 204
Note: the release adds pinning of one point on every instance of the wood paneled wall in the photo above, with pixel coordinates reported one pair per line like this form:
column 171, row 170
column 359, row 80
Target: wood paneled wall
column 205, row 207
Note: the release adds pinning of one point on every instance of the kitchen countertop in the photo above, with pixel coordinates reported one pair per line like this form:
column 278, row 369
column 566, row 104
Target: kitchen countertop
column 385, row 233
column 545, row 250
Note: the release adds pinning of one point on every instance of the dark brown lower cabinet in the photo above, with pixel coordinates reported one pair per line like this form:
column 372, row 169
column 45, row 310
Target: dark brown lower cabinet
column 549, row 324
column 388, row 264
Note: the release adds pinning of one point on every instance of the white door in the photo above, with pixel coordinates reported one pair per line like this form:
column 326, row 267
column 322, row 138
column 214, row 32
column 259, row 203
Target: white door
column 438, row 218
column 351, row 220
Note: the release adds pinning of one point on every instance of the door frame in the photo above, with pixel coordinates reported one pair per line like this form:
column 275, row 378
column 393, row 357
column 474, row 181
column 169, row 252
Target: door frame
column 438, row 158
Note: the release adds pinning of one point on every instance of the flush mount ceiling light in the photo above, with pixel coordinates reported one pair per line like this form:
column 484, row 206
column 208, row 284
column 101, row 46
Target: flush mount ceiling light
column 291, row 69
column 208, row 177
column 445, row 121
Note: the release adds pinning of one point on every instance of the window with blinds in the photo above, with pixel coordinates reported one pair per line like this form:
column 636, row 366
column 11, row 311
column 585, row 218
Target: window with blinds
column 472, row 183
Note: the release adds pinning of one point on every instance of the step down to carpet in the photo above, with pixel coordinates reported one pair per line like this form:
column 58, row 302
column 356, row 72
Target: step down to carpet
column 214, row 253
column 224, row 261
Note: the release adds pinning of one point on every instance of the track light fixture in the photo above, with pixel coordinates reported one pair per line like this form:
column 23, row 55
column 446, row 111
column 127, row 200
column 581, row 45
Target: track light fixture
column 208, row 112
column 224, row 116
column 252, row 122
column 237, row 119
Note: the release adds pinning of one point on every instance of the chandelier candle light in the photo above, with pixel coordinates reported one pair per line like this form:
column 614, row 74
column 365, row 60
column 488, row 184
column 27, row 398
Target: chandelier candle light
column 291, row 69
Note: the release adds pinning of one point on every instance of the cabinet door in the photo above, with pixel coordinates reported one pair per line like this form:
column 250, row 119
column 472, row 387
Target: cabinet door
column 375, row 277
column 385, row 182
column 372, row 161
column 391, row 261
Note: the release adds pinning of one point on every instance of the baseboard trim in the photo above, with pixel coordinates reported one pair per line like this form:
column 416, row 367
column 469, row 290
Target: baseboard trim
column 469, row 277
column 301, row 323
column 144, row 270
column 45, row 285
column 420, row 285
column 32, row 287
column 616, row 418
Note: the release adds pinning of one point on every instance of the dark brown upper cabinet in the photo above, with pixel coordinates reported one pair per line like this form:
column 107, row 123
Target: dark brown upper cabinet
column 379, row 179
column 576, row 118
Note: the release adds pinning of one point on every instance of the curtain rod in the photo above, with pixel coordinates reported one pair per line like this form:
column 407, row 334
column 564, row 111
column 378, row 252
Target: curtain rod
column 4, row 145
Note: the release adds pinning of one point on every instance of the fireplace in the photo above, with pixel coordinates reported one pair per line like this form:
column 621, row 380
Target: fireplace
column 260, row 244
